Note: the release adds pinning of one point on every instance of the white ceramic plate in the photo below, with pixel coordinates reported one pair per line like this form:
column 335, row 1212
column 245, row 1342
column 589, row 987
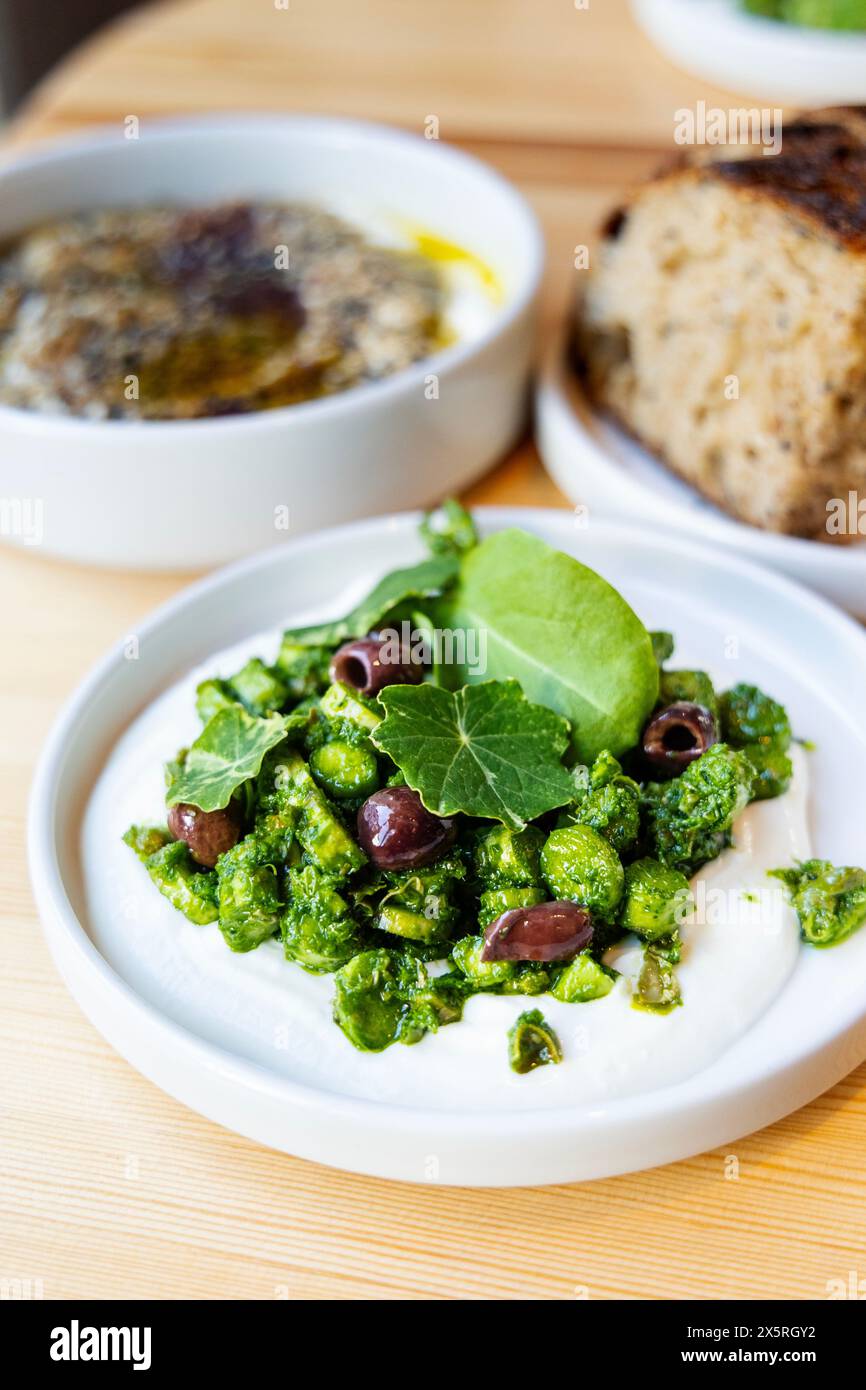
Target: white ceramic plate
column 190, row 1025
column 718, row 40
column 601, row 468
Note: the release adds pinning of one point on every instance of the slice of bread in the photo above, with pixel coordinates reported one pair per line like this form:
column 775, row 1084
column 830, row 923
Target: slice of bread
column 724, row 323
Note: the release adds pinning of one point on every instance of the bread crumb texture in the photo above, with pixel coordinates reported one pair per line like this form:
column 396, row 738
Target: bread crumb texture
column 724, row 323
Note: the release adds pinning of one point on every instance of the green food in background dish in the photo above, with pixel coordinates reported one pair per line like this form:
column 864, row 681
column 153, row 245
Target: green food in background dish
column 426, row 832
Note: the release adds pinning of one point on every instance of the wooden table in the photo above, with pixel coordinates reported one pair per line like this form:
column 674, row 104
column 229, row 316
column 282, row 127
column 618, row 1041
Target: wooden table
column 111, row 1189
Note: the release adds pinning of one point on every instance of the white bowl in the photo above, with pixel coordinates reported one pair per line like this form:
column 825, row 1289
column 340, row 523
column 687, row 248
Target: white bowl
column 191, row 494
column 602, row 469
column 195, row 1023
column 718, row 40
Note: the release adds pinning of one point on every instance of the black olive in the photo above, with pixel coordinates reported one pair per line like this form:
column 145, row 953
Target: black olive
column 676, row 736
column 208, row 833
column 548, row 931
column 398, row 832
column 367, row 666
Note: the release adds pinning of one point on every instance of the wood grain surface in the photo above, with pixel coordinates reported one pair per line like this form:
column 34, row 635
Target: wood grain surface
column 110, row 1189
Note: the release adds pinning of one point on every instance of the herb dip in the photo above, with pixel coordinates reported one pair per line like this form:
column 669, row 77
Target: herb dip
column 168, row 313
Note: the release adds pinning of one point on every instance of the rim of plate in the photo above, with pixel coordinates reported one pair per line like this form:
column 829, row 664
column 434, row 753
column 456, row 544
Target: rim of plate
column 323, row 130
column 58, row 915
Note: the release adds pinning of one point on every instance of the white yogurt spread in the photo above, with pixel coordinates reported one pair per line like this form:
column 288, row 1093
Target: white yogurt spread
column 739, row 947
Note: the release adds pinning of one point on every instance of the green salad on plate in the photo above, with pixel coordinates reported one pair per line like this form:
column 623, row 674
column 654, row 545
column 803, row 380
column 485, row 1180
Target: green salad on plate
column 479, row 780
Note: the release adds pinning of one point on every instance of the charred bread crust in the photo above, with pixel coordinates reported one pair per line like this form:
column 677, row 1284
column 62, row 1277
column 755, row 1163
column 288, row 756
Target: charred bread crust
column 819, row 174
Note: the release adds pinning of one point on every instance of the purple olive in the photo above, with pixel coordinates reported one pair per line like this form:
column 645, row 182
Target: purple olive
column 368, row 665
column 207, row 833
column 398, row 832
column 548, row 931
column 676, row 736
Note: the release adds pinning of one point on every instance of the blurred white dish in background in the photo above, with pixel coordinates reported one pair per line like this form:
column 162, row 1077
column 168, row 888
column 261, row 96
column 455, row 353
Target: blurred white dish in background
column 600, row 467
column 720, row 41
column 192, row 493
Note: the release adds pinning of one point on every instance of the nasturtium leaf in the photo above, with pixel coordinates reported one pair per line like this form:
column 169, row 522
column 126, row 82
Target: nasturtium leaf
column 228, row 752
column 483, row 750
column 425, row 580
column 564, row 633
